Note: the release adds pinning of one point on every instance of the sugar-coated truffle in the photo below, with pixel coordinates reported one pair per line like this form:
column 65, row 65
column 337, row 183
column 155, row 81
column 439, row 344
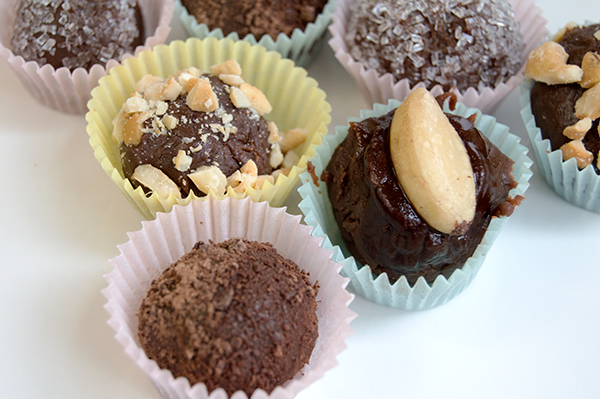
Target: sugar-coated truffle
column 235, row 315
column 195, row 132
column 567, row 107
column 256, row 17
column 76, row 33
column 459, row 44
column 382, row 226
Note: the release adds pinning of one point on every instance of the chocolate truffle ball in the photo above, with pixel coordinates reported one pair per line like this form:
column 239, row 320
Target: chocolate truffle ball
column 379, row 224
column 454, row 44
column 235, row 315
column 256, row 17
column 76, row 33
column 553, row 105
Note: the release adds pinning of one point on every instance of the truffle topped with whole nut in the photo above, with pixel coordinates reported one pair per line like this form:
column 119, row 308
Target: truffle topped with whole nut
column 565, row 98
column 195, row 132
column 413, row 191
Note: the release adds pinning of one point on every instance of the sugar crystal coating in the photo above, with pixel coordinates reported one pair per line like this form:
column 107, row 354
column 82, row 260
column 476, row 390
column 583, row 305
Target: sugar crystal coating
column 453, row 43
column 76, row 33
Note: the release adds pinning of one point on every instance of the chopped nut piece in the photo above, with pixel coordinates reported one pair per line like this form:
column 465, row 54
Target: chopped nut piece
column 548, row 64
column 202, row 97
column 133, row 128
column 146, row 81
column 290, row 160
column 235, row 179
column 273, row 133
column 135, row 103
column 209, row 178
column 257, row 99
column 559, row 35
column 260, row 181
column 292, row 139
column 276, row 157
column 187, row 81
column 156, row 180
column 170, row 90
column 247, row 181
column 161, row 107
column 239, row 99
column 230, row 67
column 432, row 164
column 182, row 161
column 591, row 70
column 249, row 168
column 118, row 124
column 231, row 80
column 576, row 149
column 597, row 35
column 588, row 105
column 579, row 129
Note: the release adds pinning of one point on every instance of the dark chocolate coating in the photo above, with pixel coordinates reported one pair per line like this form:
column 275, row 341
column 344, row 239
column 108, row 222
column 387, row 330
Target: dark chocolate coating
column 450, row 43
column 379, row 224
column 235, row 315
column 250, row 142
column 77, row 33
column 256, row 17
column 553, row 106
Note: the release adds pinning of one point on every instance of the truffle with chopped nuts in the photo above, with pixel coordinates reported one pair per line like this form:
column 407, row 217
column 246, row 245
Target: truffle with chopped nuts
column 459, row 44
column 256, row 17
column 565, row 98
column 195, row 132
column 76, row 33
column 234, row 315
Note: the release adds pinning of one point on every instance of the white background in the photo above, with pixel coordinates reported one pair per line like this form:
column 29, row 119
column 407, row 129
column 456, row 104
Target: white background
column 527, row 327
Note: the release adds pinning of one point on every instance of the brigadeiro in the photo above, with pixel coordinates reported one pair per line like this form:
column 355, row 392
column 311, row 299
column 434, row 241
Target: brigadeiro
column 235, row 315
column 416, row 195
column 76, row 34
column 470, row 47
column 562, row 110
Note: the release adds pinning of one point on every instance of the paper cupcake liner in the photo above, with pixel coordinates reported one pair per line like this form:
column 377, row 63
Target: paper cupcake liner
column 579, row 187
column 297, row 102
column 164, row 240
column 67, row 91
column 379, row 88
column 301, row 47
column 318, row 212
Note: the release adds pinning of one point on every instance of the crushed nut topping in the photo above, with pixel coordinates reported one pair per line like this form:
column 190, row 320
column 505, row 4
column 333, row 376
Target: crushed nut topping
column 257, row 99
column 202, row 97
column 230, row 67
column 588, row 105
column 208, row 178
column 579, row 129
column 156, row 180
column 591, row 70
column 576, row 149
column 292, row 139
column 548, row 64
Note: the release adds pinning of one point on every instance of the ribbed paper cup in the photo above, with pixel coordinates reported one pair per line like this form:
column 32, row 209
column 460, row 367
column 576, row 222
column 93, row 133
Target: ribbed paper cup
column 301, row 47
column 67, row 91
column 296, row 99
column 380, row 88
column 579, row 187
column 316, row 207
column 164, row 240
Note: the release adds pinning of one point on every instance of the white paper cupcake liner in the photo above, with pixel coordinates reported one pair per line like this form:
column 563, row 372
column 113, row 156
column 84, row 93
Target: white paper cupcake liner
column 318, row 212
column 379, row 88
column 164, row 240
column 579, row 187
column 67, row 91
column 301, row 47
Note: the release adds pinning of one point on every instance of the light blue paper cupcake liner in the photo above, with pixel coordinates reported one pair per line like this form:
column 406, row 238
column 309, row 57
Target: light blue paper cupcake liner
column 579, row 187
column 318, row 212
column 301, row 47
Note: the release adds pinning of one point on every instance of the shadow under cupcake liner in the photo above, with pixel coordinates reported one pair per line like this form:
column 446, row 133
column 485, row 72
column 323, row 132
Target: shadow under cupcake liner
column 579, row 187
column 379, row 88
column 301, row 47
column 317, row 210
column 162, row 241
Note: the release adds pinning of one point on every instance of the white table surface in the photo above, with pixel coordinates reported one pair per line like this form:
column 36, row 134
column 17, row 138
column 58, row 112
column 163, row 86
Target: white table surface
column 528, row 326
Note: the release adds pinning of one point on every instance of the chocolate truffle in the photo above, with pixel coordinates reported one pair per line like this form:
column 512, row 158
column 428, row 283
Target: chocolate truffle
column 458, row 44
column 194, row 132
column 235, row 315
column 76, row 33
column 554, row 102
column 256, row 17
column 383, row 228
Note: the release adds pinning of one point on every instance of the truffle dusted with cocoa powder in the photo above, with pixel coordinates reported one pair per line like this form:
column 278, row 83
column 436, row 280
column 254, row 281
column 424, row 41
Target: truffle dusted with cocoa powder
column 256, row 17
column 235, row 315
column 451, row 43
column 77, row 33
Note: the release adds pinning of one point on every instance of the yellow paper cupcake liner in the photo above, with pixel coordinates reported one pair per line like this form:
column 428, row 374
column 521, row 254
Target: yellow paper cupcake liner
column 296, row 99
